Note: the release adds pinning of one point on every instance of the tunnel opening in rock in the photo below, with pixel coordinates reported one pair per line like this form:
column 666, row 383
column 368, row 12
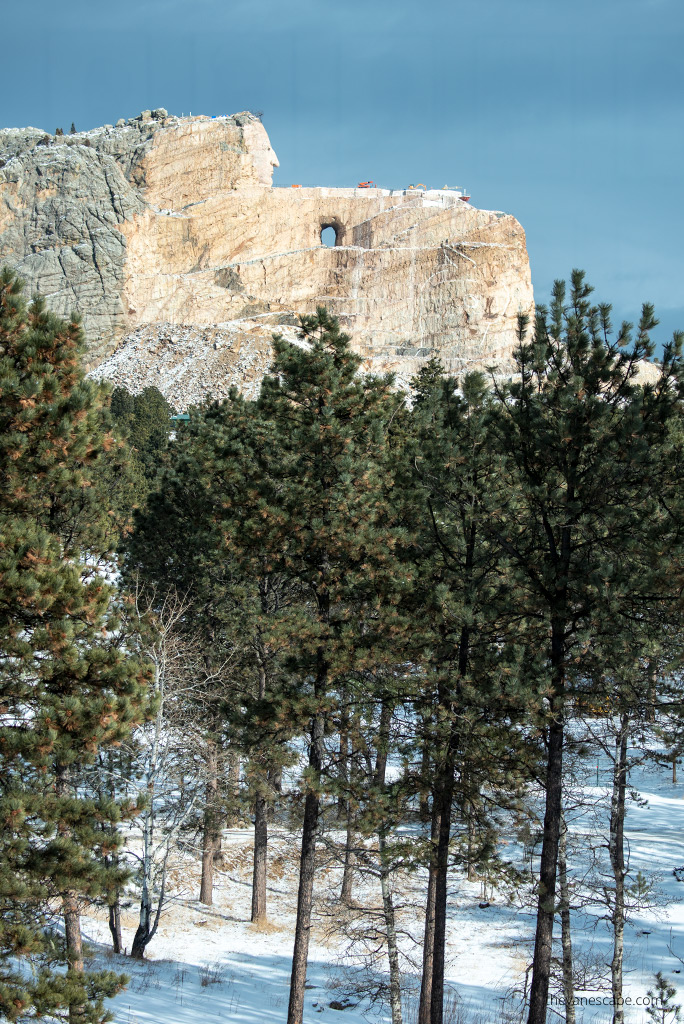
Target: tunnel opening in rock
column 328, row 235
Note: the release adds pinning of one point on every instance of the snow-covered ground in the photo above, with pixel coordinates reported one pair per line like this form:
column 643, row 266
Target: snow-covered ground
column 211, row 964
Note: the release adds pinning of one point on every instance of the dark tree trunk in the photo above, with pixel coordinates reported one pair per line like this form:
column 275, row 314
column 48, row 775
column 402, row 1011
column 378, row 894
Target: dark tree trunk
column 232, row 819
column 259, row 872
column 471, row 842
column 307, row 865
column 72, row 932
column 443, row 799
column 74, row 948
column 471, row 804
column 424, row 803
column 566, row 934
column 541, row 964
column 616, row 849
column 652, row 689
column 349, row 859
column 70, row 909
column 210, row 829
column 350, row 814
column 277, row 781
column 312, row 804
column 260, row 866
column 209, row 850
column 429, row 934
column 142, row 932
column 343, row 771
column 115, row 926
column 385, row 870
column 148, row 921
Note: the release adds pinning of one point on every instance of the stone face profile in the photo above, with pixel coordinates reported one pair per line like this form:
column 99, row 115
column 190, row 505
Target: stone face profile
column 167, row 235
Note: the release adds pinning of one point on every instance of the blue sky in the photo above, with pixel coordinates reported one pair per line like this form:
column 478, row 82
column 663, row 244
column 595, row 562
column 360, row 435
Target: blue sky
column 567, row 115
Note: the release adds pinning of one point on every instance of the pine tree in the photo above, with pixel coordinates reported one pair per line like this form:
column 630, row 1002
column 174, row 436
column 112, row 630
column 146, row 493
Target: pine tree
column 145, row 421
column 469, row 694
column 67, row 688
column 661, row 1008
column 324, row 519
column 584, row 479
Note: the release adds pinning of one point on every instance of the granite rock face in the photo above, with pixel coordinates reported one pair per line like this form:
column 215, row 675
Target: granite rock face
column 166, row 234
column 60, row 210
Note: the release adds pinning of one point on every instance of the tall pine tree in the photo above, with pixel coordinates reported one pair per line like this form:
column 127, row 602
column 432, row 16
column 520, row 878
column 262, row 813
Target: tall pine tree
column 581, row 441
column 470, row 696
column 66, row 687
column 324, row 516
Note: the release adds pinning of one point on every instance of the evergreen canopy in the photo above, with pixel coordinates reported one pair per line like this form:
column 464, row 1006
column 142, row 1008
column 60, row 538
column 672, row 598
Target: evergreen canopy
column 66, row 687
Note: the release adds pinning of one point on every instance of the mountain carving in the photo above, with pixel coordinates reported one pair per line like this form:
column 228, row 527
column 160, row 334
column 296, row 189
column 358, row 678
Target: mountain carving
column 167, row 236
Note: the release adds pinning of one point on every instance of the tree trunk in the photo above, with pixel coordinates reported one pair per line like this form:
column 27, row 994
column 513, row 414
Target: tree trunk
column 260, row 866
column 147, row 927
column 390, row 929
column 350, row 813
column 469, row 854
column 72, row 932
column 210, row 843
column 210, row 829
column 566, row 935
column 259, row 872
column 443, row 800
column 111, row 861
column 276, row 780
column 142, row 932
column 307, row 865
column 546, row 899
column 472, row 801
column 616, row 849
column 343, row 771
column 424, row 803
column 349, row 859
column 385, row 870
column 312, row 803
column 233, row 787
column 115, row 925
column 74, row 947
column 70, row 908
column 652, row 689
column 541, row 964
column 429, row 934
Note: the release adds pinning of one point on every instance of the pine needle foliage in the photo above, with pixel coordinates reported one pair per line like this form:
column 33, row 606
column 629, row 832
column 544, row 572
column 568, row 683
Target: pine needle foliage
column 66, row 688
column 586, row 489
column 325, row 517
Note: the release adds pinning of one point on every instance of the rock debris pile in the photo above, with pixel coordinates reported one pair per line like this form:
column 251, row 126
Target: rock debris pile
column 191, row 364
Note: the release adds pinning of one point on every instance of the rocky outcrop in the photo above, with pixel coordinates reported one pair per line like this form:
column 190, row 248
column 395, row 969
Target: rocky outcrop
column 166, row 235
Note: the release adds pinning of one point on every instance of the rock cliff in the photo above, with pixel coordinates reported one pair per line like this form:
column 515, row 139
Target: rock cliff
column 166, row 234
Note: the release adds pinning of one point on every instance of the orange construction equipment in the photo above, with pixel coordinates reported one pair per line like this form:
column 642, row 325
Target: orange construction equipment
column 366, row 184
column 296, row 186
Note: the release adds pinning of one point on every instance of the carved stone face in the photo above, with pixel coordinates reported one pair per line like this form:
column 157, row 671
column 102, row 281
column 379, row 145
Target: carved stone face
column 262, row 154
